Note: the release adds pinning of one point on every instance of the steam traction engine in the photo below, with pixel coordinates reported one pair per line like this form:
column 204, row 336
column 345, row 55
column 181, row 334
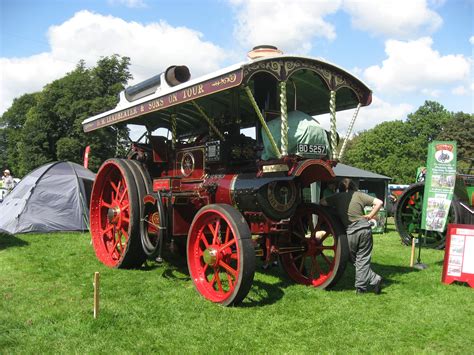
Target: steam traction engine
column 225, row 196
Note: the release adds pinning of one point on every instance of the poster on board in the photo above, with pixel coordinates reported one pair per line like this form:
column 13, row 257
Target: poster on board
column 459, row 254
column 439, row 185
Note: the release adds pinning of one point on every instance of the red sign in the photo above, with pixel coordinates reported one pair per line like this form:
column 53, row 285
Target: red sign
column 161, row 184
column 459, row 254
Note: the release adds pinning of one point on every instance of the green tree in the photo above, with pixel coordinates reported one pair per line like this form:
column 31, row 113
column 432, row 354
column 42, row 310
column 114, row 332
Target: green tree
column 397, row 148
column 11, row 123
column 423, row 127
column 460, row 128
column 47, row 126
column 381, row 150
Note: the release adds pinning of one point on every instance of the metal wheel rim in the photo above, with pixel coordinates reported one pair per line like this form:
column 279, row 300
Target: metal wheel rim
column 215, row 256
column 110, row 215
column 313, row 261
column 409, row 216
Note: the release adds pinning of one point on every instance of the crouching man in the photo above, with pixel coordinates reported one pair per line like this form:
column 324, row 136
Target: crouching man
column 349, row 204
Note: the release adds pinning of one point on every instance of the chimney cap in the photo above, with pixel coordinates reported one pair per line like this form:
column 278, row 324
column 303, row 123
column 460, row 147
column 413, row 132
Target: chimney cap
column 264, row 50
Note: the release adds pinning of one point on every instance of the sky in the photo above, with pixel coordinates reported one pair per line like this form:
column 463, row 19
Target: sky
column 406, row 51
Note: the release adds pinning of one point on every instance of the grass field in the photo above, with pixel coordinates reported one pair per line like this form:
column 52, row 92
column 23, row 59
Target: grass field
column 47, row 296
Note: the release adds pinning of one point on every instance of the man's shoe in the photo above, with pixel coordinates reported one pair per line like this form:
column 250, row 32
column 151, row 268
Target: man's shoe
column 360, row 291
column 378, row 286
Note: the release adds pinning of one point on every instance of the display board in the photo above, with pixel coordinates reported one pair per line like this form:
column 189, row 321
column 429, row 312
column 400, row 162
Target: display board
column 439, row 185
column 459, row 254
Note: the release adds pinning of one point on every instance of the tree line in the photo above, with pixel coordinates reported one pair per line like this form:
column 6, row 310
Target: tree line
column 397, row 148
column 47, row 126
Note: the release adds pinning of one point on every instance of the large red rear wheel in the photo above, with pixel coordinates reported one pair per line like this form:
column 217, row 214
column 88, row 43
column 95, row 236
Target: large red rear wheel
column 114, row 216
column 221, row 257
column 316, row 252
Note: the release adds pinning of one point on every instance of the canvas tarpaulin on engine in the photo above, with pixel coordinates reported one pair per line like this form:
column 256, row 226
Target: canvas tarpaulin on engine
column 305, row 137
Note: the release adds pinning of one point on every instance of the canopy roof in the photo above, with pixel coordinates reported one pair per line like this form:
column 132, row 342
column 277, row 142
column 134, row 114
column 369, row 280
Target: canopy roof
column 342, row 170
column 308, row 90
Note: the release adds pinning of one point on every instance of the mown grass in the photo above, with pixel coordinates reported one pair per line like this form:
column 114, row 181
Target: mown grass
column 47, row 295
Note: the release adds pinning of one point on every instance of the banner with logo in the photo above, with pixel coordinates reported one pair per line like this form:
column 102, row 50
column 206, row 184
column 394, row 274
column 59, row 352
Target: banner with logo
column 439, row 185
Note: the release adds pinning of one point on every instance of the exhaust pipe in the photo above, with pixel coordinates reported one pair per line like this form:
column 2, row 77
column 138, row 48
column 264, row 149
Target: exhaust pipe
column 174, row 75
column 177, row 74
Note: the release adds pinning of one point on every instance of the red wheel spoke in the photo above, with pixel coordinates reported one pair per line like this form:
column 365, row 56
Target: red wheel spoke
column 213, row 280
column 228, row 268
column 124, row 233
column 215, row 231
column 324, row 237
column 108, row 229
column 218, row 280
column 300, row 235
column 210, row 226
column 302, row 263
column 231, row 282
column 297, row 257
column 114, row 187
column 234, row 256
column 326, row 259
column 202, row 237
column 227, row 245
column 106, row 204
column 227, row 234
column 117, row 242
column 124, row 207
column 315, row 266
column 115, row 254
column 123, row 195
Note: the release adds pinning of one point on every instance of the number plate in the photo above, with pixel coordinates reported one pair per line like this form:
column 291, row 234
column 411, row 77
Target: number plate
column 318, row 149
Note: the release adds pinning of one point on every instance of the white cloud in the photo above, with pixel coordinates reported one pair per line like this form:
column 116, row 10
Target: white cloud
column 430, row 92
column 377, row 112
column 415, row 66
column 27, row 75
column 152, row 48
column 393, row 18
column 471, row 40
column 290, row 26
column 459, row 90
column 129, row 3
column 294, row 27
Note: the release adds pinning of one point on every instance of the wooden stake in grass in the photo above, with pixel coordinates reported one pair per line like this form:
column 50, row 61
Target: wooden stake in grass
column 96, row 294
column 412, row 256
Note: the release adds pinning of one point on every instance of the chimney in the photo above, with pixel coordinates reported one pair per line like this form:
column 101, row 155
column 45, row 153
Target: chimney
column 264, row 51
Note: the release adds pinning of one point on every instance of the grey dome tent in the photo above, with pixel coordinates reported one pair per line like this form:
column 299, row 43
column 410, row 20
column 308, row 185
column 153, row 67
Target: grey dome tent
column 54, row 197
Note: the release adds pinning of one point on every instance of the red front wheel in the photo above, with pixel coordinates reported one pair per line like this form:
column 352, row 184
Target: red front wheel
column 221, row 257
column 114, row 216
column 316, row 251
